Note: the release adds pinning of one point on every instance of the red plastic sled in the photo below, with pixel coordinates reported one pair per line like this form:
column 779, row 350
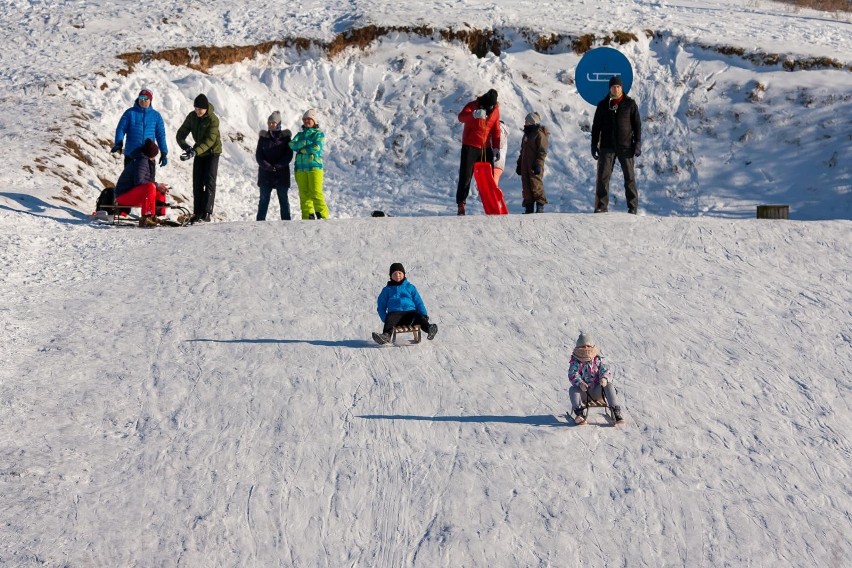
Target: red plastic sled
column 489, row 193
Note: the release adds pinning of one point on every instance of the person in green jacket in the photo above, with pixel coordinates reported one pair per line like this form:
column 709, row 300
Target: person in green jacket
column 203, row 124
column 308, row 146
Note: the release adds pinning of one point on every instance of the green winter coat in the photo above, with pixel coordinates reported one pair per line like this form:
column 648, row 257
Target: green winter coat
column 308, row 145
column 205, row 133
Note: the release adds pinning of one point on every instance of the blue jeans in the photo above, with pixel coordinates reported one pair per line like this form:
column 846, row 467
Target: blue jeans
column 263, row 204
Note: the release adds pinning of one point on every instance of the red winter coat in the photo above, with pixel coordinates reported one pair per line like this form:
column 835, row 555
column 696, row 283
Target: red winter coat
column 479, row 132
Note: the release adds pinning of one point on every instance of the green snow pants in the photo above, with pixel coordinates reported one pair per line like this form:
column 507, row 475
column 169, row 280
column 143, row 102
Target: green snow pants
column 311, row 198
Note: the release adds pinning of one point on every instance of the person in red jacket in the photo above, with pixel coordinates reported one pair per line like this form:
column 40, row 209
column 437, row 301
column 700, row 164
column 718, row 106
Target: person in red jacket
column 480, row 140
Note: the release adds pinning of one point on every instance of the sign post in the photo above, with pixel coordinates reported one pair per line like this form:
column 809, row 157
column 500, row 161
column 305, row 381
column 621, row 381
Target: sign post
column 595, row 70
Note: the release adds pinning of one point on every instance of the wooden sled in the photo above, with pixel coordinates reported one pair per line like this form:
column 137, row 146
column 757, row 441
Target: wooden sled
column 587, row 402
column 412, row 329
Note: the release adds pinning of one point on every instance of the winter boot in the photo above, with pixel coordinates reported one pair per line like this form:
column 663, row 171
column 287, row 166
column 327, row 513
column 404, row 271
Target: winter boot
column 616, row 410
column 632, row 211
column 528, row 209
column 578, row 417
column 381, row 338
column 312, row 216
column 433, row 329
column 461, row 209
column 148, row 221
column 539, row 207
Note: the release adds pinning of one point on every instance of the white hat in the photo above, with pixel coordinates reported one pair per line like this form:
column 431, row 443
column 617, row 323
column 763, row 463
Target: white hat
column 312, row 114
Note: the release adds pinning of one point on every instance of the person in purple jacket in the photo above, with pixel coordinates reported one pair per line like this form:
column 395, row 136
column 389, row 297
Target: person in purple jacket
column 399, row 303
column 139, row 123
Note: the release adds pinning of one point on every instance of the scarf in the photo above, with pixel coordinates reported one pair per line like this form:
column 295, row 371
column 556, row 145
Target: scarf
column 586, row 353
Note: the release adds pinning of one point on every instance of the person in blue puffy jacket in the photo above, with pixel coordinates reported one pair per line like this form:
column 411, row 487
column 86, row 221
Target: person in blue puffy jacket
column 139, row 123
column 400, row 303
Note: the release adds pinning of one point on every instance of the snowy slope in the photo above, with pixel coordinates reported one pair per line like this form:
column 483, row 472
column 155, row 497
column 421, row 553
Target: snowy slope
column 209, row 396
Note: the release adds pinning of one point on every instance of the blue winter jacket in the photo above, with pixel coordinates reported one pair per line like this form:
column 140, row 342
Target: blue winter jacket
column 402, row 297
column 141, row 169
column 139, row 124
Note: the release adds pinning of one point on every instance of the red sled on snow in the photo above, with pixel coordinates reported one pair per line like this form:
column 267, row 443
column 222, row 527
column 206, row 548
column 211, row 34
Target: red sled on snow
column 489, row 193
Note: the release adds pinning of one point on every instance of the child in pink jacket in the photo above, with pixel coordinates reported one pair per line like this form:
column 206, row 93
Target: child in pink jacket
column 589, row 375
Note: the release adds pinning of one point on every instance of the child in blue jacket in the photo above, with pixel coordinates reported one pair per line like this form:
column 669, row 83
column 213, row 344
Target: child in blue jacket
column 399, row 303
column 589, row 375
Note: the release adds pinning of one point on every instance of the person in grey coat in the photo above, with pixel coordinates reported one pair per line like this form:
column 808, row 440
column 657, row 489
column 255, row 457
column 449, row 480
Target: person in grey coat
column 531, row 163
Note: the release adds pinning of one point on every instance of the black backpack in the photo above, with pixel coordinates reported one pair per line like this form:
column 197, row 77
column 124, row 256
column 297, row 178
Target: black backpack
column 107, row 197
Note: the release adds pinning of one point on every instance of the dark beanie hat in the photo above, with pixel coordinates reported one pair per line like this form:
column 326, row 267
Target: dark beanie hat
column 201, row 102
column 396, row 266
column 489, row 99
column 615, row 80
column 150, row 148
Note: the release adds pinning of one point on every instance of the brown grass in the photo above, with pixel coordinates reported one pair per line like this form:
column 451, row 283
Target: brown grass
column 479, row 42
column 824, row 5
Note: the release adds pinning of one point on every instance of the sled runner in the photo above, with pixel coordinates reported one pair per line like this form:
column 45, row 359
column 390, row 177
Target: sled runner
column 587, row 402
column 489, row 193
column 412, row 329
column 115, row 214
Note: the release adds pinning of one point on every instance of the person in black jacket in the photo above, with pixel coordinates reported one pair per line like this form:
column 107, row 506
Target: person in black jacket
column 273, row 155
column 616, row 134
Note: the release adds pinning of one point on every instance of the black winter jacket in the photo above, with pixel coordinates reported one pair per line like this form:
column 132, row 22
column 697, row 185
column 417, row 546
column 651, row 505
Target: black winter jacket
column 617, row 129
column 273, row 156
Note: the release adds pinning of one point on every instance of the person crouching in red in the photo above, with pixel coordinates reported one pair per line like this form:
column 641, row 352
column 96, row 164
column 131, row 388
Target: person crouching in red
column 136, row 186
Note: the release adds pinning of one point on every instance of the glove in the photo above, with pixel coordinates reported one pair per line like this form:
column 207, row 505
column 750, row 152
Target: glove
column 518, row 169
column 479, row 114
column 584, row 386
column 637, row 150
column 188, row 155
column 117, row 148
column 164, row 161
column 595, row 152
column 536, row 170
column 604, row 382
column 497, row 155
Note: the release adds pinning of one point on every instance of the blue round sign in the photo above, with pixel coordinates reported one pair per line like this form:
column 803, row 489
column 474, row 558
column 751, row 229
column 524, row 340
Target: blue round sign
column 595, row 70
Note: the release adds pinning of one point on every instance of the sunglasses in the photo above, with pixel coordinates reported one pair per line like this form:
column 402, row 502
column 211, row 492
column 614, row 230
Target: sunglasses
column 143, row 97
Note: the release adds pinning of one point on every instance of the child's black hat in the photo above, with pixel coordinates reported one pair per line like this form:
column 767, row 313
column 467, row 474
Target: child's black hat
column 396, row 266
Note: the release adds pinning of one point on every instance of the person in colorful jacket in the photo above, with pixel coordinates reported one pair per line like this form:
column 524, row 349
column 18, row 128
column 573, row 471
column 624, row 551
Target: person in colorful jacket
column 481, row 140
column 273, row 155
column 203, row 124
column 137, row 186
column 139, row 123
column 588, row 375
column 531, row 163
column 308, row 145
column 399, row 303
